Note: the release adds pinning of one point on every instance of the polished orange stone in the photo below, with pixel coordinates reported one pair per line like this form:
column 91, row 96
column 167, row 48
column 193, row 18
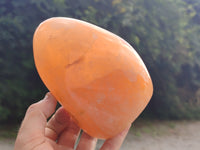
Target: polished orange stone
column 96, row 75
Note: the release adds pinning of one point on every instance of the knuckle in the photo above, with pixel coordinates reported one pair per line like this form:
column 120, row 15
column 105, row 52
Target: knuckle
column 33, row 110
column 32, row 107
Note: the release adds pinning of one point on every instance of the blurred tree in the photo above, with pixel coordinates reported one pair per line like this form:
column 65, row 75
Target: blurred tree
column 165, row 34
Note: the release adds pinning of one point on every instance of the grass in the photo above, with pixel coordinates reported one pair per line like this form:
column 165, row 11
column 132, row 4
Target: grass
column 8, row 131
column 152, row 127
column 172, row 125
column 140, row 128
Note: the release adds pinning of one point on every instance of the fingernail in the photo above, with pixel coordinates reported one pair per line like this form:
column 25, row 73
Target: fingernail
column 46, row 96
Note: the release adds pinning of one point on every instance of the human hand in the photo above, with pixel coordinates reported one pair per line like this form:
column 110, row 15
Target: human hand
column 59, row 133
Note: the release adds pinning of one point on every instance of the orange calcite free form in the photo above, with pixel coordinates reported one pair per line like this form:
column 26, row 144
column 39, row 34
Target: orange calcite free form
column 95, row 75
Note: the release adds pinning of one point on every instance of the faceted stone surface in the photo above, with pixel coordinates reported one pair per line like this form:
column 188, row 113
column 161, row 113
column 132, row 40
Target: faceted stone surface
column 95, row 75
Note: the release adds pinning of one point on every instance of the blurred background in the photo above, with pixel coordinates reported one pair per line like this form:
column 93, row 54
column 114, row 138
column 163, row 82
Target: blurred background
column 165, row 33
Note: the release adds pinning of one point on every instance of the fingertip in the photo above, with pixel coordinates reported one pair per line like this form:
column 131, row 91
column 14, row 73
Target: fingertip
column 47, row 106
column 87, row 142
column 126, row 129
column 48, row 96
column 49, row 99
column 116, row 142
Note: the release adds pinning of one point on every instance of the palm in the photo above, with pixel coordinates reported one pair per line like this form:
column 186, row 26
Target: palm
column 59, row 133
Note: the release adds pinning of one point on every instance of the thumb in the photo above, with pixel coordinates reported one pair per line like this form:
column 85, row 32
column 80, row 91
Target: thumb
column 35, row 120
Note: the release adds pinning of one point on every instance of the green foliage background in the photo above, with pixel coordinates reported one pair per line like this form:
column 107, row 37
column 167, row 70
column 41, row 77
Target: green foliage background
column 165, row 34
